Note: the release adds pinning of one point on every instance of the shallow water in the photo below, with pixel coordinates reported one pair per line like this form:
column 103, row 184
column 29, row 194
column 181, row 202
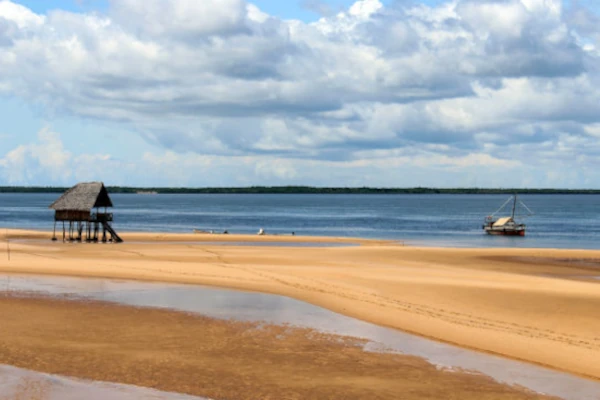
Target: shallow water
column 16, row 383
column 253, row 243
column 208, row 243
column 238, row 305
column 560, row 221
column 277, row 244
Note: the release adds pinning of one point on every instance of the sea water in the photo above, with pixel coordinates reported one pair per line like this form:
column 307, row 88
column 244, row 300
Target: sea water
column 560, row 221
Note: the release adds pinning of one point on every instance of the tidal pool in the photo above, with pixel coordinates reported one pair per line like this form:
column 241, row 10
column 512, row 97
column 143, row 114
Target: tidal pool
column 273, row 244
column 247, row 306
column 212, row 243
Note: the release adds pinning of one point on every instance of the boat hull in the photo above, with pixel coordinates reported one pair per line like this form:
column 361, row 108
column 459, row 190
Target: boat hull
column 506, row 232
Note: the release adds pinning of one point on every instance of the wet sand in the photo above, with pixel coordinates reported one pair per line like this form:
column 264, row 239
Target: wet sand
column 179, row 352
column 519, row 303
column 22, row 384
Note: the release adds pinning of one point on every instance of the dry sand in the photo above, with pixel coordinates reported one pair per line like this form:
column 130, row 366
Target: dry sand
column 529, row 304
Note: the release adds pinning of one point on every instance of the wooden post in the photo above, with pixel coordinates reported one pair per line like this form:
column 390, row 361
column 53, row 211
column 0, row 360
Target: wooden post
column 54, row 233
column 64, row 234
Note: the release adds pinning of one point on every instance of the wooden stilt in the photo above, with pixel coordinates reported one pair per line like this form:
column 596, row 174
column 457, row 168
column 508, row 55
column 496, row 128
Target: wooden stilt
column 79, row 231
column 54, row 232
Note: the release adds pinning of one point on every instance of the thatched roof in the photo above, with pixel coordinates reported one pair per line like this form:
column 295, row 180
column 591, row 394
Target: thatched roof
column 83, row 197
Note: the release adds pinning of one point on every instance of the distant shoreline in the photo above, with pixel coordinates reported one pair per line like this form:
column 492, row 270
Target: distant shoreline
column 298, row 190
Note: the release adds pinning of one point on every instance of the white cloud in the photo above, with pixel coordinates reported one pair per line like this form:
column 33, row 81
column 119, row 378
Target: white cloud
column 180, row 20
column 47, row 157
column 485, row 82
column 46, row 161
column 282, row 170
column 21, row 16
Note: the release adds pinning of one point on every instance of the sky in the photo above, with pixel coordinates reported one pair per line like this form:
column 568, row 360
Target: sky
column 395, row 93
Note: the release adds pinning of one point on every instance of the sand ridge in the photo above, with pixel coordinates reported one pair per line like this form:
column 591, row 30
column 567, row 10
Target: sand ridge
column 520, row 303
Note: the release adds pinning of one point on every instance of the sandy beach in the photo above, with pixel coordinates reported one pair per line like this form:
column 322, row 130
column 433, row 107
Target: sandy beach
column 217, row 359
column 536, row 305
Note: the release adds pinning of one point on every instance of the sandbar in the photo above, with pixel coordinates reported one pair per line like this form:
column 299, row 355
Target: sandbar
column 519, row 303
column 192, row 354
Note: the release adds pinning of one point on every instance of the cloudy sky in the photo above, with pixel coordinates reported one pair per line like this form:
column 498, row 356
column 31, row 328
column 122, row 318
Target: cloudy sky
column 381, row 93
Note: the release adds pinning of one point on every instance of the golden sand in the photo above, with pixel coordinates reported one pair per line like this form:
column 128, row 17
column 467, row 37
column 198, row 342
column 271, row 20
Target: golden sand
column 530, row 304
column 191, row 354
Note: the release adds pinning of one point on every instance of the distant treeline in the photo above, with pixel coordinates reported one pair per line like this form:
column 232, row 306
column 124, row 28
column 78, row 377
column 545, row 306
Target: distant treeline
column 302, row 189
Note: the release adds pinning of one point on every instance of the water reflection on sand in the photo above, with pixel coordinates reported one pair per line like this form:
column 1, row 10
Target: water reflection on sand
column 238, row 305
column 17, row 384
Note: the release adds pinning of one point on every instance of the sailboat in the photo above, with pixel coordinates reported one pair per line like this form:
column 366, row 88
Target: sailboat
column 506, row 225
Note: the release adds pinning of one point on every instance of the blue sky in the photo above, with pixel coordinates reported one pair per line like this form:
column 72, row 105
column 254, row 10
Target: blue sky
column 380, row 93
column 282, row 9
column 297, row 9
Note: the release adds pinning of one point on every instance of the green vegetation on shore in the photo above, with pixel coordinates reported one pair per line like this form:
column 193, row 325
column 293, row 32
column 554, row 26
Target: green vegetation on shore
column 303, row 189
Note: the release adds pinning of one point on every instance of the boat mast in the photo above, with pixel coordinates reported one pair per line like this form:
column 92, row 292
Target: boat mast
column 514, row 206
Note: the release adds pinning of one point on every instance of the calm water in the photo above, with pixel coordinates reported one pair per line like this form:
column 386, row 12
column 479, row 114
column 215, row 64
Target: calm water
column 562, row 221
column 20, row 384
column 245, row 306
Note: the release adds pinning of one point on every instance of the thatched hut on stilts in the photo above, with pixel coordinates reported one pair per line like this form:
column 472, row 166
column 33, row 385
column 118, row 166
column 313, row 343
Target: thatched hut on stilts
column 75, row 207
